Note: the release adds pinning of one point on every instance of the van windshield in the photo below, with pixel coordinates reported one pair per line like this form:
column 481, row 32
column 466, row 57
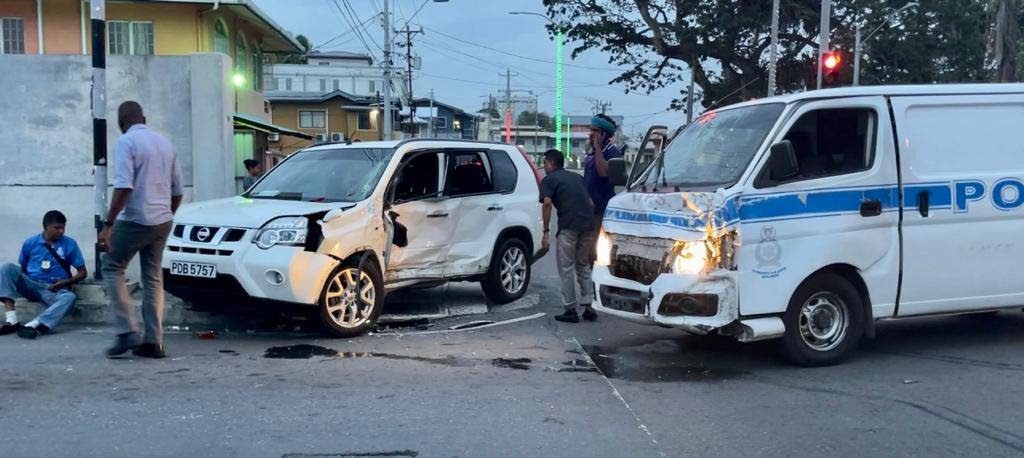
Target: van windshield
column 714, row 150
column 325, row 175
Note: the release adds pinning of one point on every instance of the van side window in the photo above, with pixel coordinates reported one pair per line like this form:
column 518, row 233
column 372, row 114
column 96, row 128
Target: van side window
column 503, row 170
column 418, row 178
column 467, row 174
column 833, row 142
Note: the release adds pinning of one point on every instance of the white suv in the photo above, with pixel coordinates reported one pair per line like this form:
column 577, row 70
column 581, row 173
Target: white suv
column 336, row 225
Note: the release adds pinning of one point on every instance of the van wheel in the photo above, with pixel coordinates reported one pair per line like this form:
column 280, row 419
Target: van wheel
column 509, row 274
column 824, row 321
column 352, row 299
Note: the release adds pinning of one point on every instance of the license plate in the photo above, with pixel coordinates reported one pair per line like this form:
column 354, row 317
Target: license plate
column 192, row 269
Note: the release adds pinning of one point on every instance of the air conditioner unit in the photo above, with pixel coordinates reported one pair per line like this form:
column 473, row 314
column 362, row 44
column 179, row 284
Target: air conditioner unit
column 321, row 138
column 337, row 137
column 274, row 137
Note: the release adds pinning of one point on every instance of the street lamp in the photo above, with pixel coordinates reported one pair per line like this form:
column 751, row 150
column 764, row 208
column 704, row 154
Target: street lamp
column 559, row 38
column 857, row 40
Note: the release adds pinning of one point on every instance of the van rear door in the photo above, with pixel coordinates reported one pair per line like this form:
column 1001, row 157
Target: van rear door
column 962, row 164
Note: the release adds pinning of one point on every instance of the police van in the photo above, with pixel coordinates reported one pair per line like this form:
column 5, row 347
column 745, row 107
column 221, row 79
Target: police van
column 808, row 217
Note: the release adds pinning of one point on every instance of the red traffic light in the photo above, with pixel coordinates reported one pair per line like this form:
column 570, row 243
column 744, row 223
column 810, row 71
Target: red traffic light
column 832, row 60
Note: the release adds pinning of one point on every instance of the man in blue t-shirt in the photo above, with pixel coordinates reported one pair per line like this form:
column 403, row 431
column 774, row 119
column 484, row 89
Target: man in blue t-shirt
column 595, row 169
column 43, row 274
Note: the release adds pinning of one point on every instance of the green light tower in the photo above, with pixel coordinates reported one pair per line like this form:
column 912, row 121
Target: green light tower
column 558, row 92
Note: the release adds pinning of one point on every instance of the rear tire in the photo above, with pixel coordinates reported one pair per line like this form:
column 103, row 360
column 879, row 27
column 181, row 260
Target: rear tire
column 824, row 321
column 350, row 307
column 509, row 275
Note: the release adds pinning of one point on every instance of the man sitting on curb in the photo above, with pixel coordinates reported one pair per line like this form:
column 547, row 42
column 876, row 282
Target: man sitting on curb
column 44, row 275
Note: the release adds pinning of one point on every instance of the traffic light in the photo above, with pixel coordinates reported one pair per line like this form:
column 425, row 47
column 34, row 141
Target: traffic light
column 831, row 63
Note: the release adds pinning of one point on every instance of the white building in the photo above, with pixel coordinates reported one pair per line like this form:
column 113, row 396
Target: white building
column 336, row 71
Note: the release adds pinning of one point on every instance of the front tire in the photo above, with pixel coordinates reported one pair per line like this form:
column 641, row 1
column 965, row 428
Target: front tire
column 509, row 274
column 824, row 321
column 352, row 299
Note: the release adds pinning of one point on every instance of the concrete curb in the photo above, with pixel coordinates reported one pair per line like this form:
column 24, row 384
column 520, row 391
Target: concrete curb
column 93, row 308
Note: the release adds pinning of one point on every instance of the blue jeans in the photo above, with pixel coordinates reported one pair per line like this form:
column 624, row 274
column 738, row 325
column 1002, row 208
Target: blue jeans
column 14, row 283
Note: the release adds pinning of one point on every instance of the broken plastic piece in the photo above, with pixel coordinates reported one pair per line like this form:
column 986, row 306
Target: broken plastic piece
column 471, row 324
column 206, row 335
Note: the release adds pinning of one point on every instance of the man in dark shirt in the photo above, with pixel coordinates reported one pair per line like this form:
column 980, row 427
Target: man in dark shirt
column 43, row 274
column 565, row 191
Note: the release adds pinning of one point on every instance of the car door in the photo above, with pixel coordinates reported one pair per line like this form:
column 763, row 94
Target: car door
column 416, row 198
column 962, row 162
column 841, row 209
column 479, row 211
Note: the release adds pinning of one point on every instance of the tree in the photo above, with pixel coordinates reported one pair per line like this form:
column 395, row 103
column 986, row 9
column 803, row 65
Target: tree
column 728, row 42
column 532, row 118
column 306, row 45
column 1006, row 44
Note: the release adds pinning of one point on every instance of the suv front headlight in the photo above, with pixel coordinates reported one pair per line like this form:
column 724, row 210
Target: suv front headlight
column 288, row 230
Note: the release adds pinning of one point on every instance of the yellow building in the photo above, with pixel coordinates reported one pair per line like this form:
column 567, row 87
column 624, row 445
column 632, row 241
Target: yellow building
column 330, row 117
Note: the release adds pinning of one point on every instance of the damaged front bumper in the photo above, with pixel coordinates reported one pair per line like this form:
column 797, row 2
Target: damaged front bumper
column 697, row 304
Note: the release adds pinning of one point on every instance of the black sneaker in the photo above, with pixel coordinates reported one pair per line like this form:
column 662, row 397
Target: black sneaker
column 31, row 333
column 569, row 316
column 149, row 350
column 589, row 314
column 122, row 344
column 9, row 328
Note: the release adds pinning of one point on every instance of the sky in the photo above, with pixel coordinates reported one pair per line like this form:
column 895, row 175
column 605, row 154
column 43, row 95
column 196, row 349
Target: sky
column 457, row 64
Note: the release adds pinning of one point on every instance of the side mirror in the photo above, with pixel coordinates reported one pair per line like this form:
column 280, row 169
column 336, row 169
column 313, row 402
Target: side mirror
column 782, row 163
column 617, row 171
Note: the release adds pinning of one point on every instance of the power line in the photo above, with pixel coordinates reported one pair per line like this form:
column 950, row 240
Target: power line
column 355, row 18
column 458, row 79
column 407, row 21
column 342, row 34
column 352, row 26
column 460, row 40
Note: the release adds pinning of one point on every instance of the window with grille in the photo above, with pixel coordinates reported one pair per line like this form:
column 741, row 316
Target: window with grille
column 12, row 30
column 312, row 119
column 242, row 57
column 130, row 38
column 220, row 38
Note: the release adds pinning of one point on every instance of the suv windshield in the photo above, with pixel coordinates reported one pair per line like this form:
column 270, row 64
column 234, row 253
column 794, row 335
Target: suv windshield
column 713, row 151
column 325, row 175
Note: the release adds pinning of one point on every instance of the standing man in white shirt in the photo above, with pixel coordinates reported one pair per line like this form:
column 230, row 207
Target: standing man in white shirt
column 147, row 192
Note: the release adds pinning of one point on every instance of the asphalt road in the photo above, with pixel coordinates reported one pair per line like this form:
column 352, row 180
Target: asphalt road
column 929, row 387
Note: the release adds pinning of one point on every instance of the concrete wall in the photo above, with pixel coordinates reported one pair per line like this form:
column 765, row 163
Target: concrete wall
column 46, row 155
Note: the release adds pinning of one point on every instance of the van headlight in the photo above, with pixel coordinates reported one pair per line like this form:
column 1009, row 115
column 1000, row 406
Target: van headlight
column 288, row 230
column 604, row 249
column 690, row 258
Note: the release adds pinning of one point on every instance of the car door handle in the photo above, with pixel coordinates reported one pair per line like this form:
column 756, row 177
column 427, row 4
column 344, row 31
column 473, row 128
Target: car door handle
column 494, row 208
column 438, row 215
column 869, row 208
column 922, row 203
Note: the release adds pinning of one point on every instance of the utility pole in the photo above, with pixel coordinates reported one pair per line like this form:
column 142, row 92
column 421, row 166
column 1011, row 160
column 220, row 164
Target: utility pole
column 508, row 104
column 99, row 119
column 387, row 71
column 689, row 93
column 774, row 53
column 408, row 60
column 600, row 106
column 826, row 13
column 430, row 128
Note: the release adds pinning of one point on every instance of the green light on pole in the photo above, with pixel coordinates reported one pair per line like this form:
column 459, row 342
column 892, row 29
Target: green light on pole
column 558, row 92
column 568, row 136
column 238, row 80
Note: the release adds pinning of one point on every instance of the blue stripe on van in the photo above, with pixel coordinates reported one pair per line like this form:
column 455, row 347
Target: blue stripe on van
column 814, row 203
column 776, row 207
